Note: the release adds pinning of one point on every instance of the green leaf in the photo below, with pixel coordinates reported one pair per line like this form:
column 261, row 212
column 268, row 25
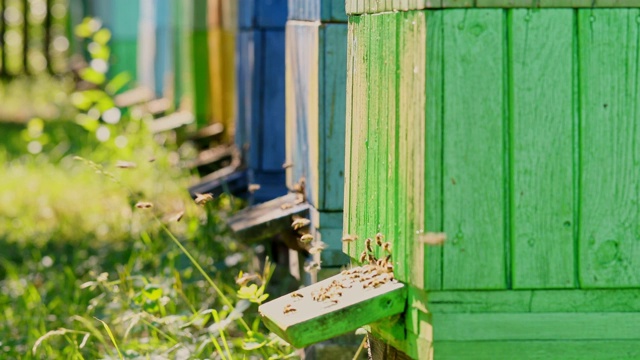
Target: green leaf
column 87, row 122
column 152, row 292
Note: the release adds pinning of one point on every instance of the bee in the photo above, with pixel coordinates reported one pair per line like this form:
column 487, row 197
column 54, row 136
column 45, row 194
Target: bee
column 286, row 206
column 288, row 309
column 253, row 188
column 287, row 165
column 244, row 278
column 387, row 258
column 299, row 199
column 372, row 259
column 363, row 256
column 317, row 248
column 177, row 216
column 379, row 237
column 432, row 238
column 202, row 199
column 300, row 223
column 367, row 243
column 306, row 238
column 144, row 205
column 380, row 263
column 297, row 295
column 312, row 266
column 389, row 267
column 125, row 164
column 349, row 238
column 152, row 159
column 387, row 247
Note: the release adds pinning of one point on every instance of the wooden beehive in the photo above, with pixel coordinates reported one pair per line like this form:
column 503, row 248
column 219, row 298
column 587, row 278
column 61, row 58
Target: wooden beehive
column 514, row 131
column 316, row 36
column 260, row 117
column 121, row 17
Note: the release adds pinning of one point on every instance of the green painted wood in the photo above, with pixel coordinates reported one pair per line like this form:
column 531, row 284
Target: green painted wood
column 183, row 76
column 355, row 7
column 539, row 326
column 317, row 10
column 374, row 179
column 541, row 126
column 474, row 196
column 537, row 350
column 433, row 155
column 348, row 216
column 357, row 115
column 609, row 250
column 530, row 301
column 313, row 322
column 200, row 64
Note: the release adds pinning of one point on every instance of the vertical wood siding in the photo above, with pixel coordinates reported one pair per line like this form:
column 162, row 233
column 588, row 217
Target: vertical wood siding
column 519, row 145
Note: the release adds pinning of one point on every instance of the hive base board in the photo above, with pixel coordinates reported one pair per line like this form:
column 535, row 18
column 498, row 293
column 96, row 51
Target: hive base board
column 267, row 219
column 231, row 180
column 312, row 321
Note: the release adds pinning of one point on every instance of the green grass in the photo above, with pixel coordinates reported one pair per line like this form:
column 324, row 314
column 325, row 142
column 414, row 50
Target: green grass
column 84, row 274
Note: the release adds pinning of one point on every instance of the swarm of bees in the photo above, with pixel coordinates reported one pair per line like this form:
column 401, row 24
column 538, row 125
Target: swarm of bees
column 374, row 273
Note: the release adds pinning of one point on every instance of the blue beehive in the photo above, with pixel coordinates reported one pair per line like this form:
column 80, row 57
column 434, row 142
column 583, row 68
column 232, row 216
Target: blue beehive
column 260, row 79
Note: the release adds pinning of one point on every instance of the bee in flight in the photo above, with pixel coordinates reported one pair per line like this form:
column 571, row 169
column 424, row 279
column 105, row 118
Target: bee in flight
column 349, row 238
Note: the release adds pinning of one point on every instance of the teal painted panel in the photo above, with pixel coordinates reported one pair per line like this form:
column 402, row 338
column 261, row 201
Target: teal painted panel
column 317, row 10
column 609, row 242
column 316, row 92
column 474, row 150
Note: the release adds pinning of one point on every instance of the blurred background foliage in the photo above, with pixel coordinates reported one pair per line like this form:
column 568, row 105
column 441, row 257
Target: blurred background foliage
column 84, row 273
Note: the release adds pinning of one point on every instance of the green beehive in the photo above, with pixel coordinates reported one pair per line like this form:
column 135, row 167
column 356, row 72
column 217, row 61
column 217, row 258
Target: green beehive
column 514, row 130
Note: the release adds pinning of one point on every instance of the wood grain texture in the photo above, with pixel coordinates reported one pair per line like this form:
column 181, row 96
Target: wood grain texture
column 246, row 14
column 357, row 124
column 537, row 350
column 474, row 150
column 355, row 7
column 183, row 79
column 317, row 10
column 541, row 129
column 433, row 156
column 533, row 301
column 541, row 326
column 351, row 92
column 609, row 243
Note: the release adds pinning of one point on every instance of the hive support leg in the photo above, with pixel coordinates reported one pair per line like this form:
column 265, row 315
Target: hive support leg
column 379, row 350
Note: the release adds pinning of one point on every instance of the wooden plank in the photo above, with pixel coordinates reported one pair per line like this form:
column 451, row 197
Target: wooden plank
column 163, row 70
column 370, row 206
column 272, row 185
column 534, row 301
column 433, row 156
column 609, row 228
column 246, row 14
column 250, row 48
column 313, row 321
column 183, row 79
column 473, row 150
column 540, row 326
column 271, row 14
column 229, row 180
column 267, row 219
column 303, row 98
column 200, row 59
column 349, row 142
column 355, row 7
column 359, row 116
column 273, row 102
column 541, row 127
column 317, row 10
column 538, row 350
column 332, row 109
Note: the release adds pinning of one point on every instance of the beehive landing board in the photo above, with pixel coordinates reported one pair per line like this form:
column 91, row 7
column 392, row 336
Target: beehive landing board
column 267, row 219
column 312, row 321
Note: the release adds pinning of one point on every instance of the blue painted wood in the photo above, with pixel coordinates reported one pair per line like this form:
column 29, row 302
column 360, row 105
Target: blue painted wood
column 246, row 14
column 271, row 185
column 271, row 13
column 272, row 150
column 164, row 62
column 316, row 60
column 317, row 10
